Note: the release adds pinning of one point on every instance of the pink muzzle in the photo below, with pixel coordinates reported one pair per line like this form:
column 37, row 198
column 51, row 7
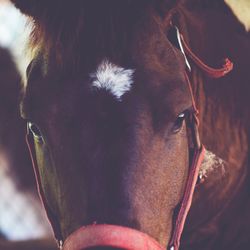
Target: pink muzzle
column 110, row 236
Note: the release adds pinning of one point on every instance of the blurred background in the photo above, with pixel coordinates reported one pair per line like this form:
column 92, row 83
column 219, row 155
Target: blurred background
column 22, row 217
column 21, row 214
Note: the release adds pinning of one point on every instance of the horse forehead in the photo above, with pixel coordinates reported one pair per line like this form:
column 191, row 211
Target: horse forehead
column 113, row 80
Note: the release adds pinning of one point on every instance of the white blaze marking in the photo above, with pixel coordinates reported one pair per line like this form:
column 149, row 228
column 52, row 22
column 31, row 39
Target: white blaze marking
column 113, row 78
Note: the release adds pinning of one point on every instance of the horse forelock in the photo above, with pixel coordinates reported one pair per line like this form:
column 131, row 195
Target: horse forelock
column 62, row 30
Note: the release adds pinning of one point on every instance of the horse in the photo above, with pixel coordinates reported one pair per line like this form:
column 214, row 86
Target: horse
column 119, row 101
column 22, row 216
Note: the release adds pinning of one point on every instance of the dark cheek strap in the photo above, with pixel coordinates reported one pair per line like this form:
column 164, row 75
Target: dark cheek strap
column 50, row 214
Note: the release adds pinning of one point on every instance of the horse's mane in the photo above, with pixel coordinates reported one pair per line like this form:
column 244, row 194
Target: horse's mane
column 59, row 27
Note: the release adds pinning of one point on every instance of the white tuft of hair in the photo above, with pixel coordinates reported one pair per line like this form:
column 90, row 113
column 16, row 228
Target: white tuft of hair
column 210, row 163
column 113, row 78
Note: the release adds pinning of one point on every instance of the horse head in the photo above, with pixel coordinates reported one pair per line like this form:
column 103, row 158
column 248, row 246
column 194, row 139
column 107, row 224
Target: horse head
column 108, row 107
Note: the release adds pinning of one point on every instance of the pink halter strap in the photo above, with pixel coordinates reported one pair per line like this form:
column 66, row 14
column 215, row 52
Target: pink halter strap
column 199, row 150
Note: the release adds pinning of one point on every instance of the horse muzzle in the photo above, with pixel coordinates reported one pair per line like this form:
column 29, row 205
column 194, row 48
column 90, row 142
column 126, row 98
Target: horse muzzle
column 110, row 237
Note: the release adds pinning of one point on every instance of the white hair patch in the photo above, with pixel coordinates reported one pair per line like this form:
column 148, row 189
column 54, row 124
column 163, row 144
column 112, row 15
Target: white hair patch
column 210, row 163
column 113, row 78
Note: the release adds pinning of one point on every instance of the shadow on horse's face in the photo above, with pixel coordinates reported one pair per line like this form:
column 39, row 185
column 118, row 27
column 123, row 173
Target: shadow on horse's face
column 110, row 140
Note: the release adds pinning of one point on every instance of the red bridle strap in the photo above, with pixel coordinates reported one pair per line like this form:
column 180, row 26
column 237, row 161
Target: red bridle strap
column 187, row 199
column 215, row 73
column 199, row 150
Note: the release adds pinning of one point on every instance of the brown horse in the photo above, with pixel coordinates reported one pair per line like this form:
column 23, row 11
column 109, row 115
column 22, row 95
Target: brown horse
column 114, row 122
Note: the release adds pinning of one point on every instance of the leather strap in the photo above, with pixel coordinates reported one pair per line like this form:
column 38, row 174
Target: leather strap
column 212, row 72
column 199, row 150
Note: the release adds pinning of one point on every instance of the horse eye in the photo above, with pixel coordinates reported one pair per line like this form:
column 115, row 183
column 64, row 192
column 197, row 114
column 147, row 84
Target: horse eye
column 179, row 122
column 35, row 130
